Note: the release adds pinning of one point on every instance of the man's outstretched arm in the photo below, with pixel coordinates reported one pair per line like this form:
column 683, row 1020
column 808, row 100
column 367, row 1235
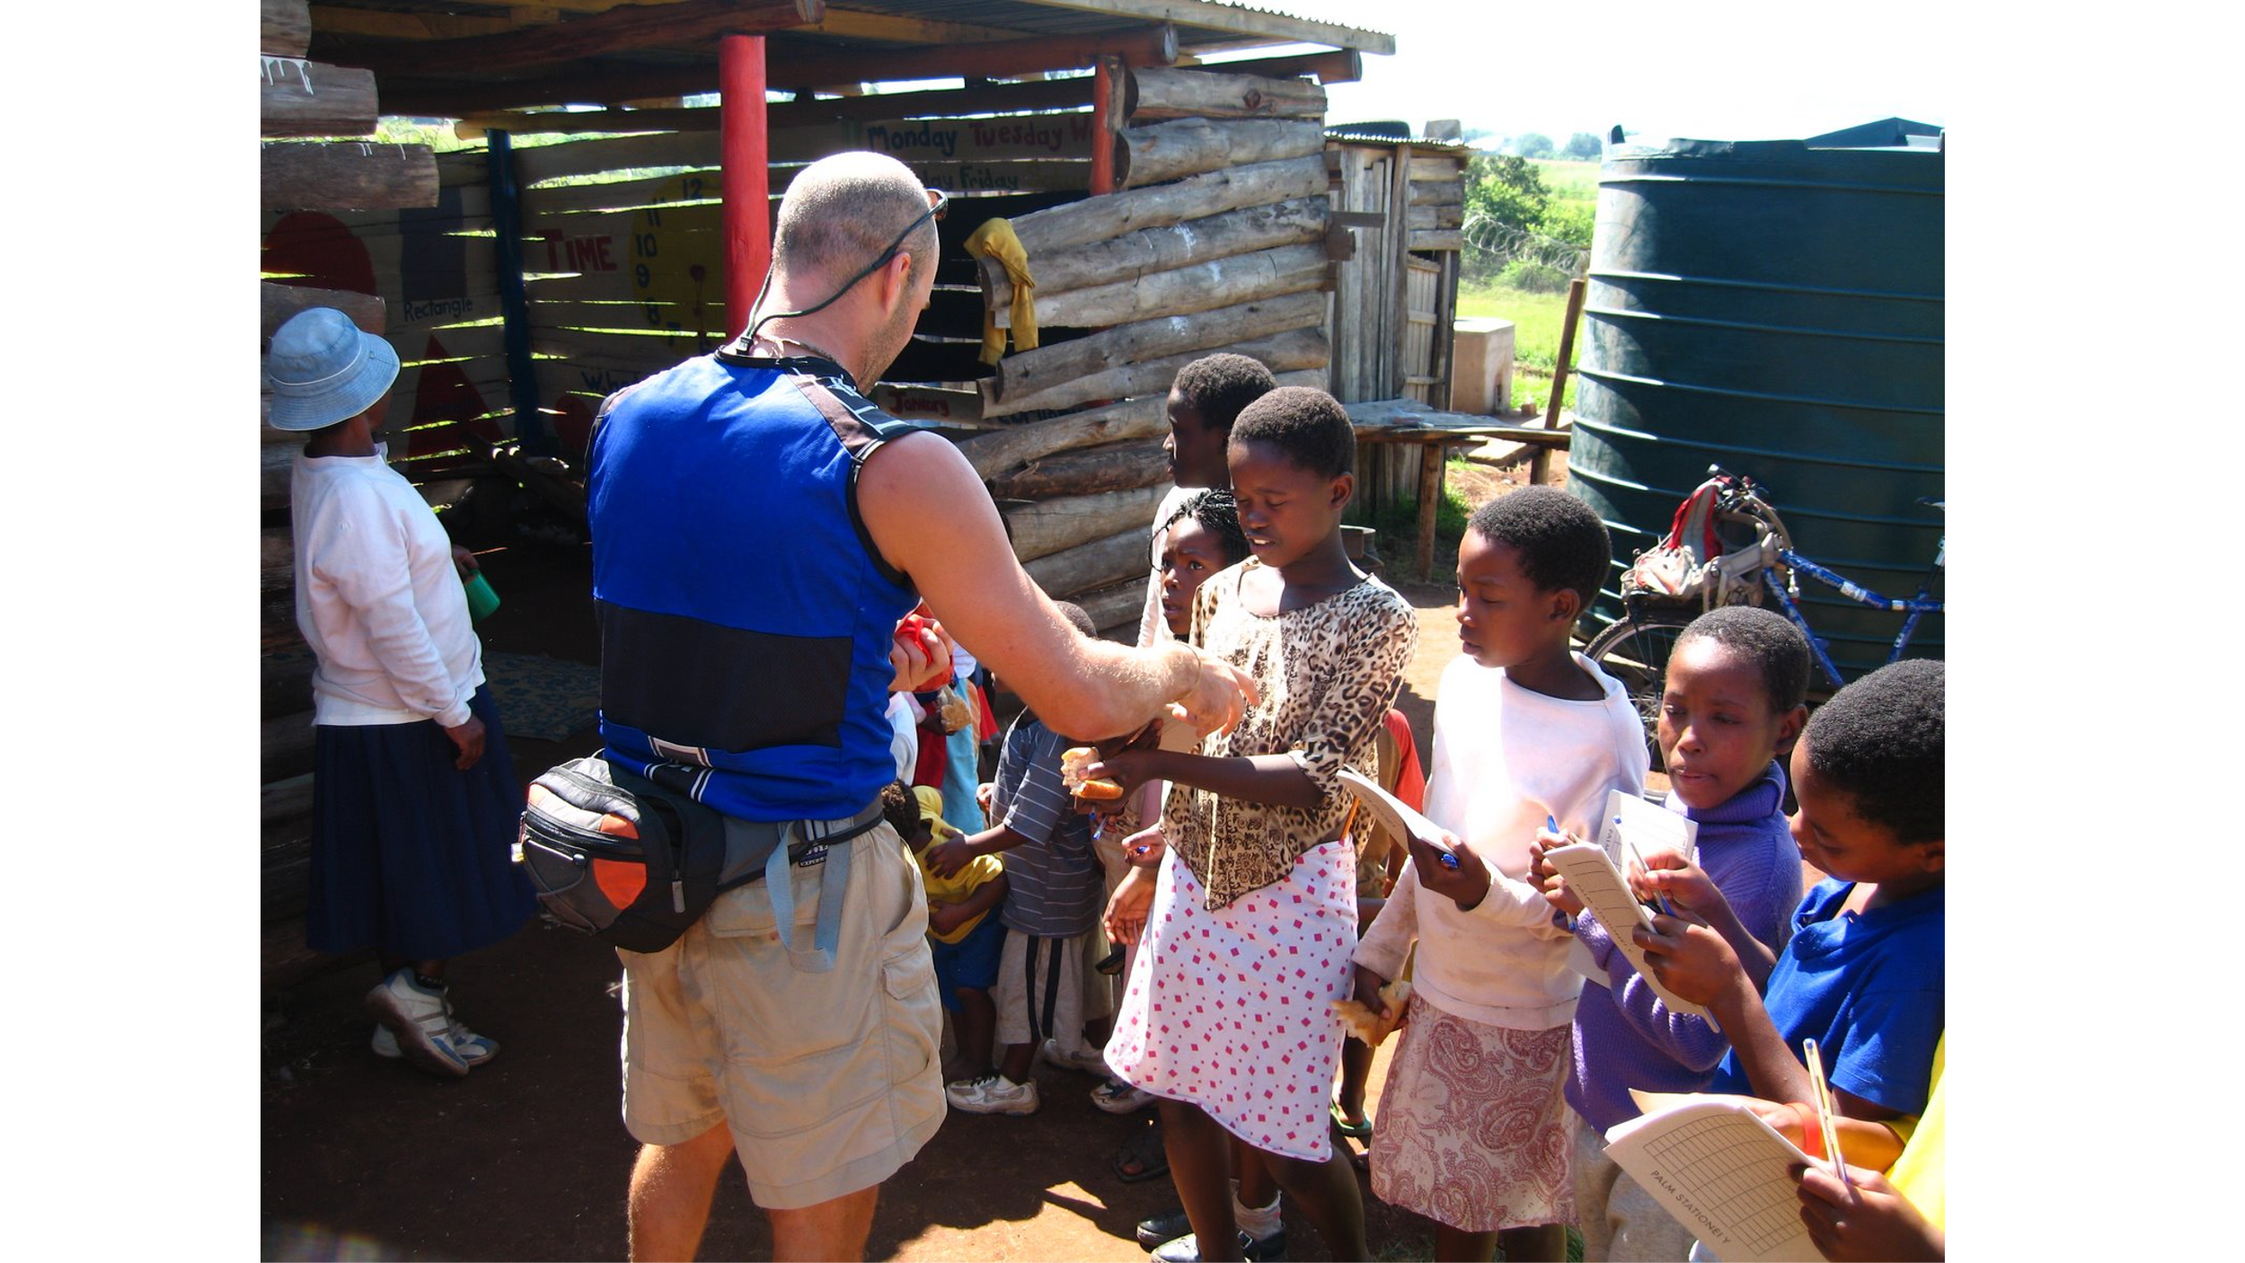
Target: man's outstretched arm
column 931, row 518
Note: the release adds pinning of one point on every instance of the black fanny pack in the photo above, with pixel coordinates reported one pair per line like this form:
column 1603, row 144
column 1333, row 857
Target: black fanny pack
column 634, row 861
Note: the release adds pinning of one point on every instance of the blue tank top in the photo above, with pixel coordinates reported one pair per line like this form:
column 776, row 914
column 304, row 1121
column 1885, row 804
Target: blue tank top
column 745, row 616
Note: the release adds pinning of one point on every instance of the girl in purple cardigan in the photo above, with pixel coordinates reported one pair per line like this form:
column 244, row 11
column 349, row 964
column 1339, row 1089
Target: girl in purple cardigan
column 1732, row 709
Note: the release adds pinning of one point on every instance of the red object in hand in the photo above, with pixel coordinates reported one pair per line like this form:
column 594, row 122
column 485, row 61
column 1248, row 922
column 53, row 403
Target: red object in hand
column 909, row 632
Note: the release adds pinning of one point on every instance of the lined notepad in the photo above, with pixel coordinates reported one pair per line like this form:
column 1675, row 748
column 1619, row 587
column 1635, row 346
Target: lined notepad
column 1724, row 1174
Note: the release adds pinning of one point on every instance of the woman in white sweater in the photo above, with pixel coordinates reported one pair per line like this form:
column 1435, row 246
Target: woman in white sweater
column 414, row 799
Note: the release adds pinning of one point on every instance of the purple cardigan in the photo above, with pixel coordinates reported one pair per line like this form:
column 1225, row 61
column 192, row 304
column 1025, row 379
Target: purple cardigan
column 1624, row 1036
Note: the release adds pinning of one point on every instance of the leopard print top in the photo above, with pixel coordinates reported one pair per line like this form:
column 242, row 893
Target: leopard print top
column 1327, row 674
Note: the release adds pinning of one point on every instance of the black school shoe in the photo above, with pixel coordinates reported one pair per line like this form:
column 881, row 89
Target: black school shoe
column 1162, row 1229
column 1186, row 1249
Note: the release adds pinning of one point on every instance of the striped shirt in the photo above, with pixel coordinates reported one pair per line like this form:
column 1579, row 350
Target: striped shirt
column 1054, row 887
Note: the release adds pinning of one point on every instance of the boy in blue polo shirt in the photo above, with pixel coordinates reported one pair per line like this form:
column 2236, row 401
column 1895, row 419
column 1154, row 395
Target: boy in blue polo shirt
column 1862, row 974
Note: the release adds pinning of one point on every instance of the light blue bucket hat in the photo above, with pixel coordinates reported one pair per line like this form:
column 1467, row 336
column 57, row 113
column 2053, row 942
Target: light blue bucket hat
column 322, row 370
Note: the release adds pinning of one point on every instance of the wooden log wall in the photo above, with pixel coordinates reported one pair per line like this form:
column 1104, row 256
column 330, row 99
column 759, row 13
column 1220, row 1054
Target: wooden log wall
column 1221, row 239
column 432, row 265
column 626, row 269
column 1395, row 301
column 309, row 181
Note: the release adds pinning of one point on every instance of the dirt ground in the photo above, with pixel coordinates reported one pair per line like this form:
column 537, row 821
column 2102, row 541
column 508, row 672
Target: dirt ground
column 527, row 1157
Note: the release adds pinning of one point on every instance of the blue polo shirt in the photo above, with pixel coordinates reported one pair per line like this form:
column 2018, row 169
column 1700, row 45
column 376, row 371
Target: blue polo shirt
column 1867, row 987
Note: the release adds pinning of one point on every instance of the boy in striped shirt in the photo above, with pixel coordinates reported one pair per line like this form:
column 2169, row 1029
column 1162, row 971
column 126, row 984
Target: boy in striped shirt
column 1054, row 894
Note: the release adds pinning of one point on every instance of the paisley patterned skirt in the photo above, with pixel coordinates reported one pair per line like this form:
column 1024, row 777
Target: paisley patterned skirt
column 1472, row 1129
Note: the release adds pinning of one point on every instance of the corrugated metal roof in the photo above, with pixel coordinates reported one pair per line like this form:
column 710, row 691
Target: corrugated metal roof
column 1390, row 134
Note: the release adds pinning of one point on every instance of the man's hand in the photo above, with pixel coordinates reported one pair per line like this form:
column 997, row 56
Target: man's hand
column 1690, row 959
column 1125, row 918
column 946, row 917
column 464, row 561
column 1220, row 696
column 1464, row 880
column 947, row 857
column 468, row 739
column 1875, row 1222
column 919, row 655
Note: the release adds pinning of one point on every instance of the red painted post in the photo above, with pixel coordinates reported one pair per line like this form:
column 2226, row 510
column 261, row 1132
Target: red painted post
column 1103, row 127
column 747, row 174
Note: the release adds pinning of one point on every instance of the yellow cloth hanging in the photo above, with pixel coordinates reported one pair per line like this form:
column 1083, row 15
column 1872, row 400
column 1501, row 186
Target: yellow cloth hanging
column 995, row 240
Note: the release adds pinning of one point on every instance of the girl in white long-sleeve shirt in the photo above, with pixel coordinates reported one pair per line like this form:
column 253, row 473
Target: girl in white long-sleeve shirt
column 1473, row 1129
column 414, row 798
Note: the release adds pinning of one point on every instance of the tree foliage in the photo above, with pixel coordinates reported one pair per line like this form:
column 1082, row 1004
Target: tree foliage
column 1570, row 222
column 1584, row 146
column 1532, row 145
column 1507, row 189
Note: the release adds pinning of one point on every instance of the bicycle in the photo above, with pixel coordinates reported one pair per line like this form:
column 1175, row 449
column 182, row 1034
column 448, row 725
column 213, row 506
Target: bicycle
column 1635, row 650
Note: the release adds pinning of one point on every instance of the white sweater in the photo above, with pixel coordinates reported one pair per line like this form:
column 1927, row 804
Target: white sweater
column 378, row 598
column 1505, row 757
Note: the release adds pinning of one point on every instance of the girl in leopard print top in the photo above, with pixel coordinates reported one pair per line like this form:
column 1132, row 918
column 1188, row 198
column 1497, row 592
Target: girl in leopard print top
column 1249, row 926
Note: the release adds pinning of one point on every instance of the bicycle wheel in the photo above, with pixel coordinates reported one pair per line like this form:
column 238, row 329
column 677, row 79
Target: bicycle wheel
column 1635, row 651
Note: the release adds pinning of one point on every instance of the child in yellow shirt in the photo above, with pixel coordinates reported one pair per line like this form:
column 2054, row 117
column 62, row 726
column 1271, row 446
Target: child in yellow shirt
column 964, row 938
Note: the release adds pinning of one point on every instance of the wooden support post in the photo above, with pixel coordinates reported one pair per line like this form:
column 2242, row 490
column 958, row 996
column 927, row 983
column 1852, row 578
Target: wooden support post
column 747, row 178
column 1105, row 123
column 1540, row 468
column 1430, row 498
column 514, row 301
column 1391, row 355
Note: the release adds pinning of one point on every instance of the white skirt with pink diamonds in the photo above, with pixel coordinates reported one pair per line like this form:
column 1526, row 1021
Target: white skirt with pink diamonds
column 1231, row 1010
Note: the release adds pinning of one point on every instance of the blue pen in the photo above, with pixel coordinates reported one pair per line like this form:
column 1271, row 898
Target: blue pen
column 1634, row 853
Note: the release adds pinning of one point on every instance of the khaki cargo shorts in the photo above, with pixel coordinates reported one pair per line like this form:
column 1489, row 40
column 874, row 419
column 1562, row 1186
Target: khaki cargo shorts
column 828, row 1081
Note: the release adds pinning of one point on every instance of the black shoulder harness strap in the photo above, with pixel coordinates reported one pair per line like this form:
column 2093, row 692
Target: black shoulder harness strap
column 858, row 425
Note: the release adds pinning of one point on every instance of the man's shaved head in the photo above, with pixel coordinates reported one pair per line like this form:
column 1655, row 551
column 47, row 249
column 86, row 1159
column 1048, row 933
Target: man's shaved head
column 842, row 212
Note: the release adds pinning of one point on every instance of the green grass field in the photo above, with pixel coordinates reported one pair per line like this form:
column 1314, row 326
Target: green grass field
column 1568, row 181
column 1536, row 317
column 1535, row 335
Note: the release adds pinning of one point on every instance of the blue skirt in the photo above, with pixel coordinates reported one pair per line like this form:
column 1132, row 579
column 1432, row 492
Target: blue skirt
column 410, row 855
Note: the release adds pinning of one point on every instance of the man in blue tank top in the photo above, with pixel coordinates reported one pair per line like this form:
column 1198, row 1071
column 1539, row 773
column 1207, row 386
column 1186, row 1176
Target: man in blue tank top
column 759, row 531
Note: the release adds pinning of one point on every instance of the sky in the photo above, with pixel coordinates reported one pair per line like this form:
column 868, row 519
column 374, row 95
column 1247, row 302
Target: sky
column 1724, row 71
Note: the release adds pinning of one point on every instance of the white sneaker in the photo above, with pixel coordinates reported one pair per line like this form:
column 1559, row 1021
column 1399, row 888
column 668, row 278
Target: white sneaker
column 419, row 1021
column 1117, row 1097
column 1089, row 1061
column 473, row 1048
column 992, row 1094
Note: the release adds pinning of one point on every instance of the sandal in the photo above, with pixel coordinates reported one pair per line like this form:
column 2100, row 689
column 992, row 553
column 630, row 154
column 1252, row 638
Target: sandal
column 1354, row 1131
column 1140, row 1158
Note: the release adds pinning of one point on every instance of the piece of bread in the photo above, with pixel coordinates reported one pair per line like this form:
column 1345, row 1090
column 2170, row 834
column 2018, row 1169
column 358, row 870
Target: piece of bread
column 1371, row 1027
column 1073, row 761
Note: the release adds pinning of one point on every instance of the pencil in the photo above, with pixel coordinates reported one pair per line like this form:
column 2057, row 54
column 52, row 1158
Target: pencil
column 1822, row 1089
